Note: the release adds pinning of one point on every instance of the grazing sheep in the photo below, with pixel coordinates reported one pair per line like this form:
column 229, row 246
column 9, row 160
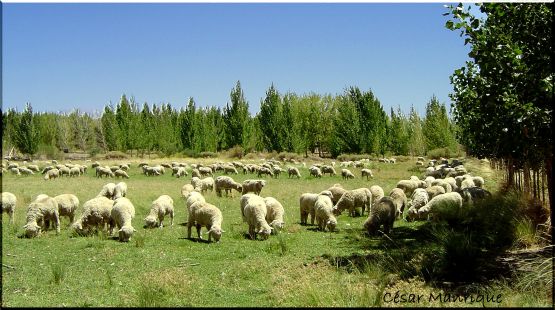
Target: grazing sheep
column 452, row 182
column 52, row 174
column 471, row 194
column 124, row 167
column 14, row 170
column 444, row 184
column 429, row 181
column 255, row 213
column 274, row 214
column 74, row 172
column 443, row 206
column 353, row 199
column 160, row 207
column 478, row 181
column 266, row 171
column 347, row 174
column 67, row 205
column 120, row 190
column 383, row 212
column 207, row 215
column 122, row 213
column 26, row 171
column 315, row 171
column 107, row 191
column 8, row 205
column 205, row 171
column 467, row 183
column 377, row 193
column 96, row 212
column 186, row 189
column 434, row 190
column 230, row 169
column 306, row 205
column 104, row 171
column 399, row 199
column 39, row 213
column 408, row 186
column 47, row 168
column 254, row 186
column 64, row 170
column 120, row 173
column 203, row 185
column 293, row 171
column 228, row 184
column 328, row 169
column 337, row 191
column 419, row 199
column 366, row 172
column 243, row 202
column 181, row 172
column 194, row 197
column 323, row 208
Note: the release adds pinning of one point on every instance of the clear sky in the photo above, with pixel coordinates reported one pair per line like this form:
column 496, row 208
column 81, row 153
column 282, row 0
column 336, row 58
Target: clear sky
column 64, row 56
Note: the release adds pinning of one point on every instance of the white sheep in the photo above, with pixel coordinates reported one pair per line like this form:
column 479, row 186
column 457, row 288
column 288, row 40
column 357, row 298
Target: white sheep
column 107, row 191
column 347, row 174
column 408, row 186
column 9, row 202
column 120, row 173
column 207, row 215
column 26, row 171
column 39, row 213
column 274, row 214
column 266, row 171
column 399, row 199
column 315, row 171
column 467, row 183
column 419, row 199
column 74, row 172
column 122, row 213
column 186, row 189
column 366, row 172
column 205, row 171
column 328, row 169
column 254, row 186
column 120, row 190
column 203, row 185
column 442, row 206
column 255, row 213
column 193, row 197
column 96, row 212
column 377, row 193
column 444, row 184
column 230, row 169
column 383, row 212
column 67, row 205
column 478, row 181
column 293, row 172
column 353, row 199
column 337, row 191
column 227, row 184
column 429, row 181
column 324, row 213
column 160, row 207
column 181, row 172
column 434, row 191
column 14, row 170
column 306, row 205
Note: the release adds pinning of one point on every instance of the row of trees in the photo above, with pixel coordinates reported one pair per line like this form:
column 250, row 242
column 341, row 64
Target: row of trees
column 352, row 122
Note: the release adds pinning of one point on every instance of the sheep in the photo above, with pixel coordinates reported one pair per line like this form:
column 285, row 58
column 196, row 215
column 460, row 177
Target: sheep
column 377, row 193
column 443, row 206
column 193, row 197
column 181, row 172
column 323, row 209
column 266, row 171
column 306, row 205
column 408, row 186
column 243, row 202
column 429, row 181
column 13, row 165
column 124, row 167
column 478, row 181
column 315, row 171
column 120, row 190
column 293, row 171
column 228, row 184
column 120, row 173
column 104, row 171
column 41, row 211
column 122, row 213
column 255, row 213
column 467, row 182
column 160, row 207
column 64, row 170
column 9, row 202
column 347, row 174
column 382, row 213
column 201, row 214
column 366, row 172
column 277, row 171
column 205, row 171
column 26, row 171
column 443, row 184
column 254, row 186
column 67, row 205
column 452, row 182
column 434, row 190
column 51, row 174
column 274, row 214
column 328, row 169
column 337, row 191
column 399, row 199
column 353, row 199
column 471, row 194
column 74, row 172
column 96, row 212
column 107, row 191
column 114, row 168
column 186, row 189
column 203, row 185
column 46, row 169
column 230, row 169
column 14, row 170
column 419, row 199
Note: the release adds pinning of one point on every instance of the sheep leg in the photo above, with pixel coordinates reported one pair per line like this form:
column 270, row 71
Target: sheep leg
column 171, row 218
column 57, row 222
column 189, row 225
column 198, row 231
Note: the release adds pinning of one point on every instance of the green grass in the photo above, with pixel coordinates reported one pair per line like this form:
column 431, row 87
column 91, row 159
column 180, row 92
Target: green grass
column 161, row 268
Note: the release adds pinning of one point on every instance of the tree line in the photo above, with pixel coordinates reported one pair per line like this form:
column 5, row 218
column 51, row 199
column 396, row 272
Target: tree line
column 353, row 122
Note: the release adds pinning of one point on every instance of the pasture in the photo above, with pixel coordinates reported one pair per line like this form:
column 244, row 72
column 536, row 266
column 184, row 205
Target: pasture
column 301, row 266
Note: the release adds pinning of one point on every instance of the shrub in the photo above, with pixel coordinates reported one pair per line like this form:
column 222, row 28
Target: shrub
column 438, row 153
column 286, row 156
column 115, row 155
column 235, row 152
column 50, row 151
column 208, row 154
column 253, row 155
column 189, row 153
column 352, row 157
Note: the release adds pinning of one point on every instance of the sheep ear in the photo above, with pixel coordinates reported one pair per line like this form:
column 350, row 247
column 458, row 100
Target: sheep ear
column 134, row 230
column 223, row 231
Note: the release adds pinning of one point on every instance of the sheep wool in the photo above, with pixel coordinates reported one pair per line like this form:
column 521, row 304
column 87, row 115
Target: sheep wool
column 274, row 214
column 383, row 213
column 122, row 213
column 399, row 199
column 255, row 213
column 41, row 211
column 324, row 213
column 443, row 206
column 253, row 186
column 353, row 199
column 67, row 205
column 9, row 202
column 228, row 184
column 207, row 215
column 160, row 207
column 96, row 213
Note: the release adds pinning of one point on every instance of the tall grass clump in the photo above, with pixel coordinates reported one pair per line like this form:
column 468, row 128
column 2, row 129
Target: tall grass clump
column 151, row 295
column 58, row 273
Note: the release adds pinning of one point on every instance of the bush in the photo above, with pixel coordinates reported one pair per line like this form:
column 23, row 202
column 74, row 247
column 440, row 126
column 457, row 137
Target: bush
column 438, row 153
column 352, row 157
column 189, row 153
column 115, row 155
column 235, row 152
column 286, row 156
column 50, row 151
column 208, row 154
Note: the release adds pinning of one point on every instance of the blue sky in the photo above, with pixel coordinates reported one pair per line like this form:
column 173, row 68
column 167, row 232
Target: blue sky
column 64, row 56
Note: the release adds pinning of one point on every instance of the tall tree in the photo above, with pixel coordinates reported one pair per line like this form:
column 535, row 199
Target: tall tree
column 270, row 120
column 235, row 117
column 26, row 136
column 109, row 128
column 416, row 142
column 124, row 116
column 437, row 129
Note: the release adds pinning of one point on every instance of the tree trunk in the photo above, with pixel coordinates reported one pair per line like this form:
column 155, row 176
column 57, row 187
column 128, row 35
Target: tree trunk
column 548, row 163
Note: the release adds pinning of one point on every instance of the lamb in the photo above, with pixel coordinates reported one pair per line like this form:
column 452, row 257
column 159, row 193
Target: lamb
column 120, row 190
column 315, row 171
column 366, row 172
column 122, row 213
column 41, row 211
column 337, row 191
column 96, row 212
column 353, row 199
column 228, row 184
column 274, row 214
column 377, row 193
column 107, row 191
column 253, row 186
column 255, row 213
column 328, row 169
column 306, row 205
column 399, row 199
column 208, row 215
column 442, row 206
column 293, row 171
column 52, row 174
column 186, row 189
column 382, row 213
column 9, row 202
column 434, row 190
column 323, row 207
column 120, row 173
column 347, row 174
column 67, row 205
column 160, row 207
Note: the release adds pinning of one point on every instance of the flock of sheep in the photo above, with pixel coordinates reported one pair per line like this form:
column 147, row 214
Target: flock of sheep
column 444, row 188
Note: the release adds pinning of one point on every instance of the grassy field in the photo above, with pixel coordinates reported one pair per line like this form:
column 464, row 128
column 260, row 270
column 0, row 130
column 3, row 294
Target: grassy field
column 160, row 267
